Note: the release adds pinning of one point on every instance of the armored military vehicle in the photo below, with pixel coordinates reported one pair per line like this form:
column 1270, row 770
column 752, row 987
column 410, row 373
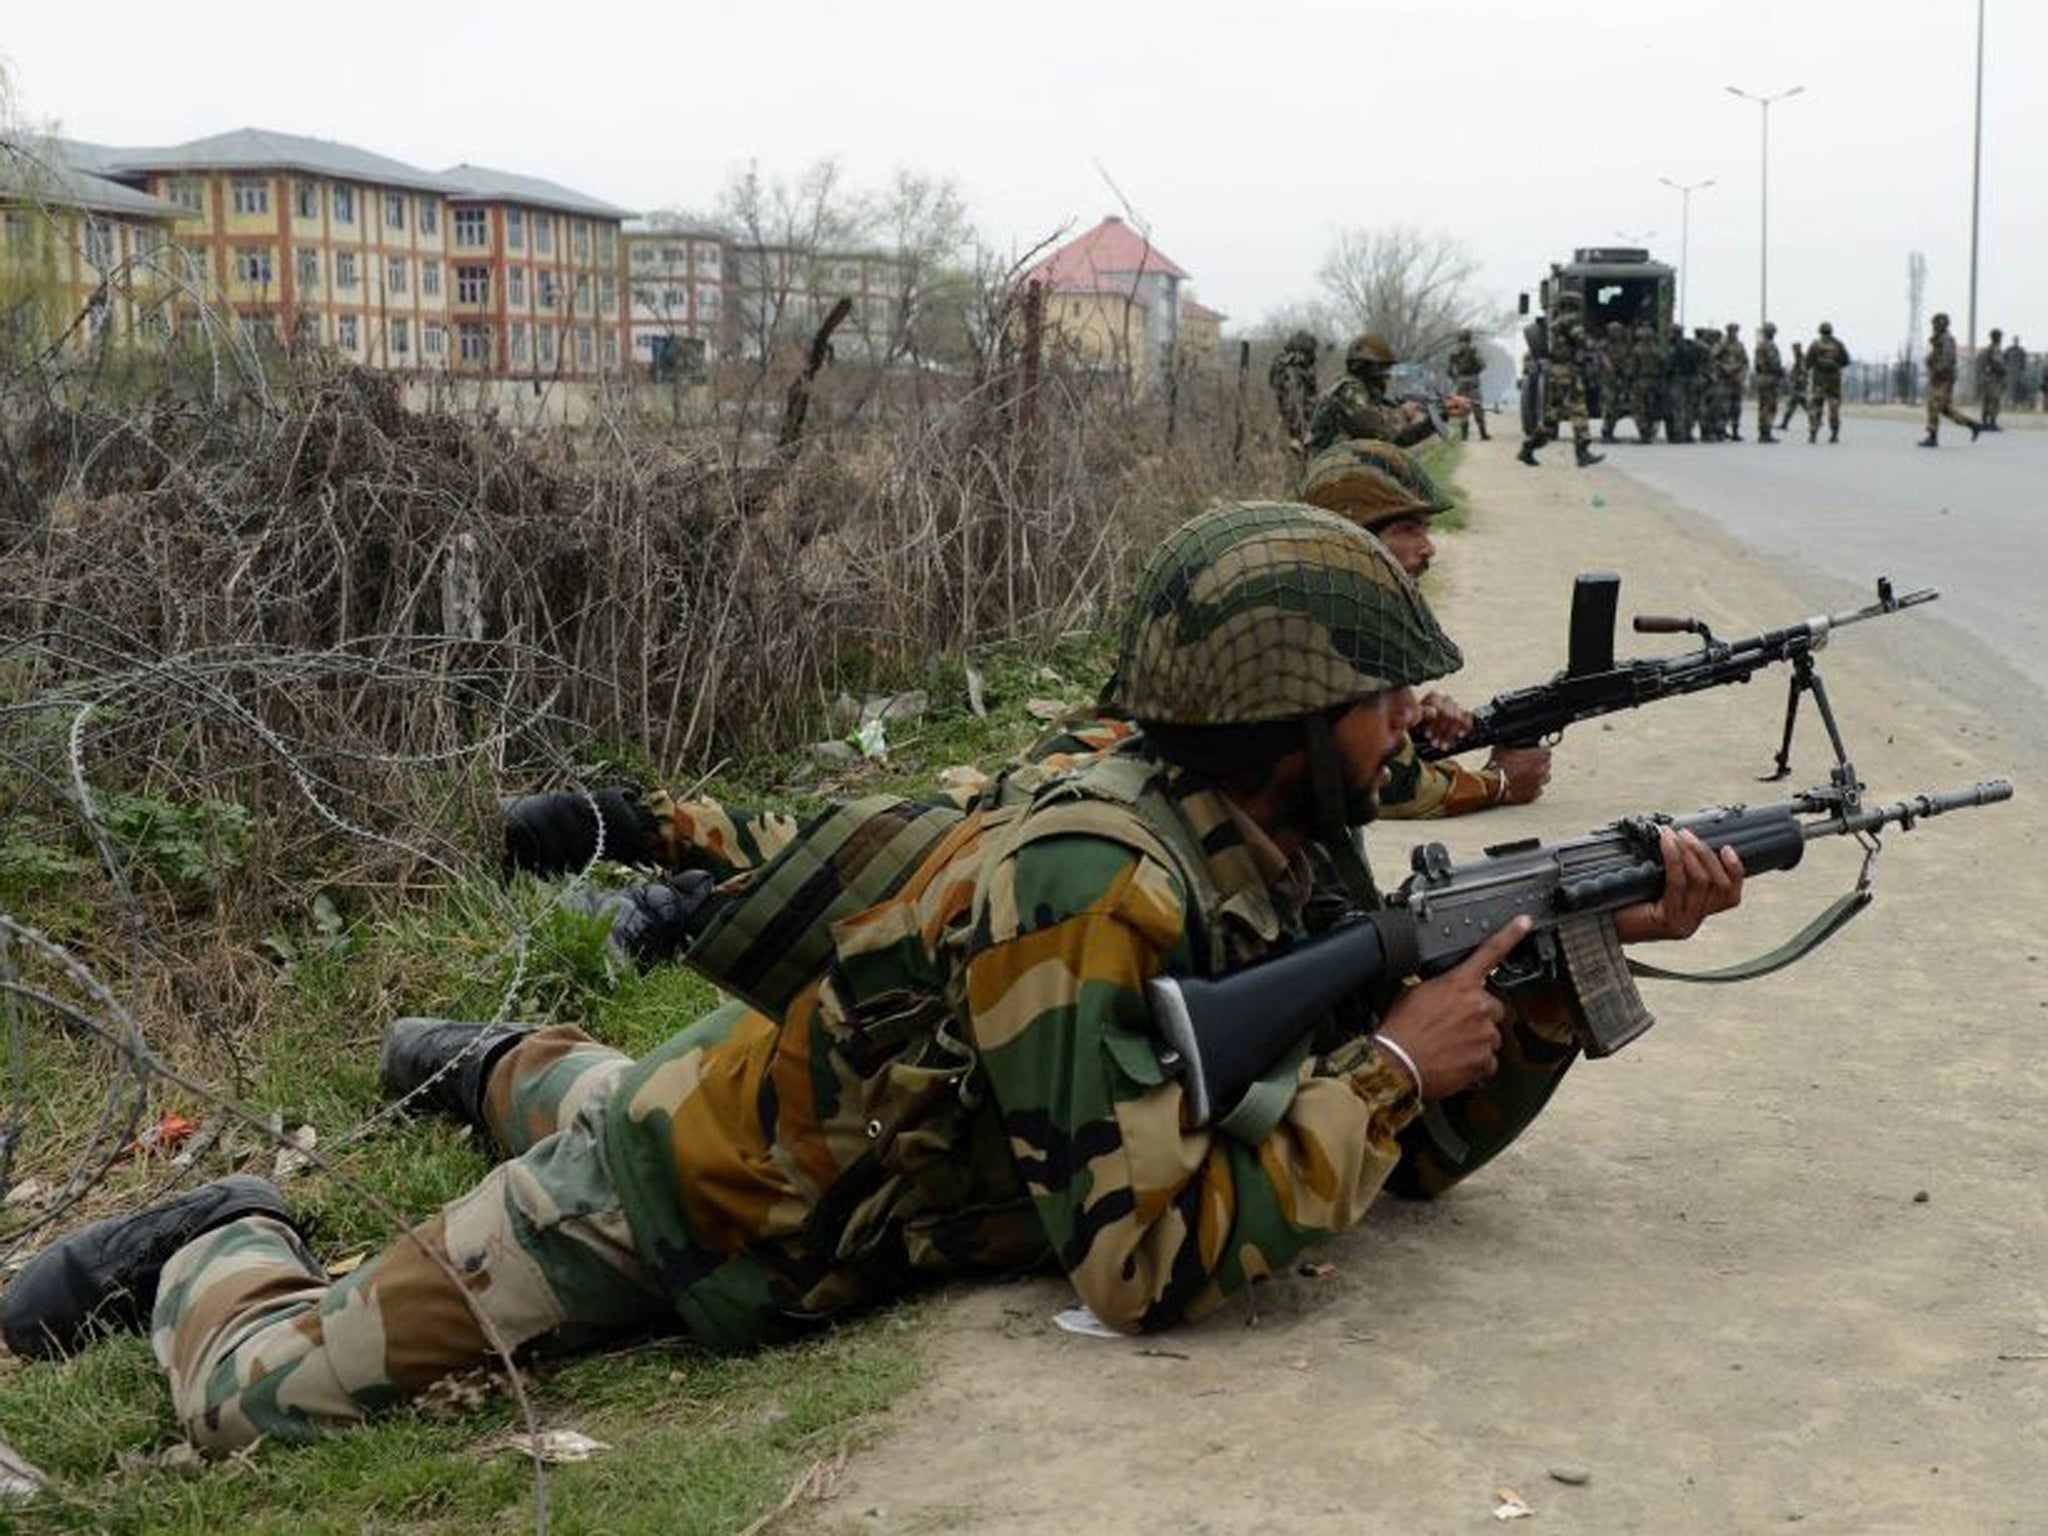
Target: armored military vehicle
column 1614, row 284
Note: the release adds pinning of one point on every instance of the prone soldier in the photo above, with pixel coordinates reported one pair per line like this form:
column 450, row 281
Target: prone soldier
column 1770, row 373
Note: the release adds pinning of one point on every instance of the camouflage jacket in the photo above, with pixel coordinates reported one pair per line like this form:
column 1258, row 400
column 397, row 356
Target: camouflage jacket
column 1941, row 358
column 1465, row 364
column 1826, row 357
column 972, row 1083
column 1767, row 362
column 1293, row 379
column 1349, row 409
column 1731, row 362
column 1570, row 349
column 1416, row 790
column 1646, row 359
column 1990, row 366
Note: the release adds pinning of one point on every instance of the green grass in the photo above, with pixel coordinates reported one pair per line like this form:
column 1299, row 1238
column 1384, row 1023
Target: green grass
column 700, row 1443
column 1442, row 458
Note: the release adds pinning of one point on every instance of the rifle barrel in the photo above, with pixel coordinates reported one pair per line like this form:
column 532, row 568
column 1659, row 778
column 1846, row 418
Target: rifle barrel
column 1903, row 813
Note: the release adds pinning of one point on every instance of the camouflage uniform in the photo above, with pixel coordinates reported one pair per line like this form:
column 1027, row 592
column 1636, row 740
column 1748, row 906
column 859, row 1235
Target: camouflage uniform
column 1826, row 357
column 1991, row 380
column 1770, row 374
column 1467, row 369
column 1795, row 389
column 1614, row 370
column 1731, row 370
column 1941, row 384
column 1646, row 367
column 964, row 1076
column 1568, row 361
column 1678, row 395
column 1293, row 377
column 2016, row 377
column 1703, row 369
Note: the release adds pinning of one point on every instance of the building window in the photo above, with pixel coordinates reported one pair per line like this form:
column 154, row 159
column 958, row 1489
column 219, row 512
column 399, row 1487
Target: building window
column 581, row 232
column 433, row 338
column 581, row 301
column 401, row 338
column 252, row 264
column 707, row 258
column 549, row 290
column 607, row 294
column 518, row 344
column 472, row 285
column 260, row 329
column 309, row 269
column 607, row 246
column 396, row 276
column 672, row 300
column 544, row 336
column 472, row 227
column 544, row 232
column 344, row 201
column 517, row 283
column 189, row 193
column 641, row 254
column 394, row 210
column 430, row 279
column 252, row 195
column 584, row 342
column 515, row 229
column 474, row 343
column 430, row 216
column 307, row 330
column 306, row 199
column 345, row 332
column 707, row 301
column 344, row 269
column 611, row 349
column 99, row 244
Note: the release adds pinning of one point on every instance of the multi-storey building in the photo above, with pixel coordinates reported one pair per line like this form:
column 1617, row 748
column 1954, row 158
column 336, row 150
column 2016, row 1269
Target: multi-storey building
column 676, row 271
column 535, row 268
column 81, row 256
column 778, row 293
column 1112, row 299
column 1201, row 336
column 316, row 243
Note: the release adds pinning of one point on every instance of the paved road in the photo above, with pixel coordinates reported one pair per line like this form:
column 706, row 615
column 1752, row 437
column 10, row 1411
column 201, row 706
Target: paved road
column 1969, row 519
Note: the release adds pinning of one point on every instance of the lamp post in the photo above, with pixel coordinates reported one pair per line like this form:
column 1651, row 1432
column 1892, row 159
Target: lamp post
column 1976, row 173
column 1685, row 191
column 1763, row 283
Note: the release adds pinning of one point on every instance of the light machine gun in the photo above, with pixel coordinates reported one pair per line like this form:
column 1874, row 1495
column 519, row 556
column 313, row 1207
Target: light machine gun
column 1593, row 683
column 1223, row 1036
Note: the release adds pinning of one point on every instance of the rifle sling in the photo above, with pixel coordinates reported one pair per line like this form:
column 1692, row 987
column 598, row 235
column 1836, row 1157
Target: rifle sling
column 1830, row 921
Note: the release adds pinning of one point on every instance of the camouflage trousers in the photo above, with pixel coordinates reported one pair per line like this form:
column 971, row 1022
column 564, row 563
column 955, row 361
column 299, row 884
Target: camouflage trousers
column 1766, row 406
column 1565, row 398
column 1731, row 407
column 1826, row 396
column 1470, row 389
column 259, row 1343
column 1941, row 401
column 1990, row 401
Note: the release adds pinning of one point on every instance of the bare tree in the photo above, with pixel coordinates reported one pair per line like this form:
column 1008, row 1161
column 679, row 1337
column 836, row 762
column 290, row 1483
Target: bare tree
column 1414, row 287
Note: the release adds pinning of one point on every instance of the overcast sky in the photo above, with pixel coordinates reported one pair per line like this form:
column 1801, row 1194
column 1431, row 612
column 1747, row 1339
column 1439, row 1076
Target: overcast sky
column 1245, row 135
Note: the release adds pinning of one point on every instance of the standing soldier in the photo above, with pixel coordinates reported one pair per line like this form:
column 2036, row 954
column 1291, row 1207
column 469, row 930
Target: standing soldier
column 1613, row 378
column 1357, row 404
column 1991, row 381
column 1703, row 374
column 2016, row 377
column 1825, row 360
column 1795, row 391
column 1677, row 390
column 1293, row 377
column 1731, row 369
column 1646, row 366
column 1941, row 385
column 1770, row 373
column 1467, row 368
column 1570, row 356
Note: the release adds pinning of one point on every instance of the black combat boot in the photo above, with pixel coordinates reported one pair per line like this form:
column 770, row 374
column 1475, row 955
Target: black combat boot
column 1765, row 436
column 1929, row 441
column 654, row 921
column 1528, row 454
column 1735, row 434
column 452, row 1060
column 1583, row 453
column 1976, row 428
column 1484, row 435
column 105, row 1275
column 554, row 833
column 1834, row 434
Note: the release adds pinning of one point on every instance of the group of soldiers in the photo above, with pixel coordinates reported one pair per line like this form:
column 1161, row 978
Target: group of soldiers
column 1693, row 384
column 939, row 1057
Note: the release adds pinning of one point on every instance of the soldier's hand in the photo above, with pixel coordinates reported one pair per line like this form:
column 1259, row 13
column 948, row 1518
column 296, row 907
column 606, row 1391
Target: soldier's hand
column 1443, row 721
column 1526, row 769
column 1697, row 884
column 1456, row 406
column 1450, row 1024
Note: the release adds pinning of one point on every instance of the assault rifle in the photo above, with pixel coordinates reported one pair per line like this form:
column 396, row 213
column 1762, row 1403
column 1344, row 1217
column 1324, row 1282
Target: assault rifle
column 1221, row 1037
column 1593, row 683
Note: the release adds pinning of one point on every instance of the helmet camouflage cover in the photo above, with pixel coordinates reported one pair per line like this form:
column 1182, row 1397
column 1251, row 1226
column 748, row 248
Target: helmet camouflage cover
column 1827, row 328
column 1302, row 342
column 1371, row 347
column 1371, row 483
column 1258, row 611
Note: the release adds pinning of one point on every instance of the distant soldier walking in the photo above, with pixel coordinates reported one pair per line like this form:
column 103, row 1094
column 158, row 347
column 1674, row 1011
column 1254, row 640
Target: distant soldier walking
column 2016, row 378
column 1677, row 389
column 1770, row 373
column 1991, row 381
column 1467, row 369
column 1731, row 371
column 1941, row 385
column 1293, row 377
column 1796, row 389
column 1646, row 381
column 1825, row 359
column 1703, row 374
column 1568, row 356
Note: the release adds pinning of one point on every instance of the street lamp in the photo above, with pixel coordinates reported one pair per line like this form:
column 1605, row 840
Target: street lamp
column 1763, row 285
column 1685, row 191
column 1976, row 173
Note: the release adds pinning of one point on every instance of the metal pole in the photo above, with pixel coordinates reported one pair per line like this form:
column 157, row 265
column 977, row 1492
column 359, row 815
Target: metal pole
column 1685, row 192
column 1976, row 174
column 1763, row 255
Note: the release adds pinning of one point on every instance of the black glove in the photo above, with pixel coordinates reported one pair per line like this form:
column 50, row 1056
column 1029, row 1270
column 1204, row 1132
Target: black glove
column 654, row 922
column 555, row 833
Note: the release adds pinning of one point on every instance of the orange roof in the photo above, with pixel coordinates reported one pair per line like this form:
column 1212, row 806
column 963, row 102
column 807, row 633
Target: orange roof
column 1191, row 310
column 1094, row 262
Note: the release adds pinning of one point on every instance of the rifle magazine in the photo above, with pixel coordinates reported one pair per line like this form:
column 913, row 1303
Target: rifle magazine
column 1599, row 977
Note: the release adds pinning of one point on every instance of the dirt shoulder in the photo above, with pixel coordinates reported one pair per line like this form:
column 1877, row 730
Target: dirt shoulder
column 1780, row 1262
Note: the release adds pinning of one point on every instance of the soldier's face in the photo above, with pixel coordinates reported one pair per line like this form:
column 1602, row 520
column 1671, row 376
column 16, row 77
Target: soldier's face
column 1367, row 734
column 1407, row 540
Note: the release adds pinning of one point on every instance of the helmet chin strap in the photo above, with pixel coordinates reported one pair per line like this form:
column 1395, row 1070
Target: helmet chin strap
column 1336, row 812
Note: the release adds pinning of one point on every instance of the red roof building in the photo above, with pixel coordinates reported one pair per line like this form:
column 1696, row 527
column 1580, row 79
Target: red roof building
column 1114, row 300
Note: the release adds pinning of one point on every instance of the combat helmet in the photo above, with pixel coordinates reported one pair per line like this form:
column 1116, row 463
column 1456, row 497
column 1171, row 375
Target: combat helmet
column 1368, row 349
column 1769, row 327
column 1941, row 319
column 1301, row 342
column 1827, row 327
column 1371, row 483
column 1465, row 335
column 1261, row 611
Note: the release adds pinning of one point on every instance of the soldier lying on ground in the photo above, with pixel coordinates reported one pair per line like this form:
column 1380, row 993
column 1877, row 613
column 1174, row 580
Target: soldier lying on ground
column 950, row 1066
